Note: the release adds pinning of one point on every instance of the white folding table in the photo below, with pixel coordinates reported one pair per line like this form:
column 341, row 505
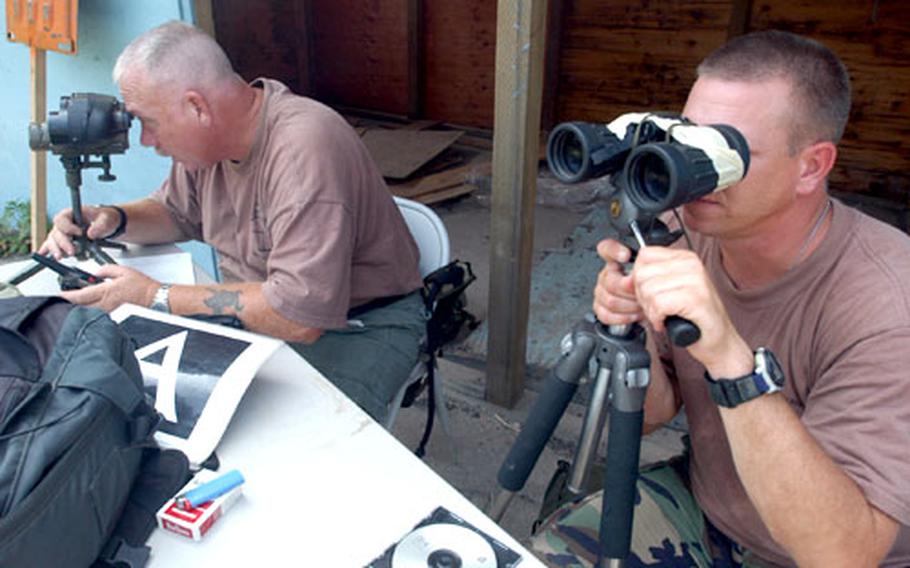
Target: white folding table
column 326, row 486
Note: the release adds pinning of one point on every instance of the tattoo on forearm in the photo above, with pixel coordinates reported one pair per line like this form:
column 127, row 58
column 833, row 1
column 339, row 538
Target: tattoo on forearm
column 220, row 300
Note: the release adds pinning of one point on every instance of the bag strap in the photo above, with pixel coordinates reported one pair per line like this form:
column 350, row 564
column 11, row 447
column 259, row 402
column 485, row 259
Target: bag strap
column 161, row 475
column 117, row 553
column 431, row 406
column 84, row 332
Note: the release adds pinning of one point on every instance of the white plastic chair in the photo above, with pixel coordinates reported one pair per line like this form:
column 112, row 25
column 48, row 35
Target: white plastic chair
column 432, row 240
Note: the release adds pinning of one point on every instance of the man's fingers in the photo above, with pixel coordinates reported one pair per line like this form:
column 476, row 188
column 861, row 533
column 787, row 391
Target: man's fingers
column 84, row 296
column 613, row 251
column 59, row 245
column 113, row 271
column 103, row 222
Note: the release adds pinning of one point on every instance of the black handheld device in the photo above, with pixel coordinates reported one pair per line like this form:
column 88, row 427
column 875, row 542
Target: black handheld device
column 71, row 277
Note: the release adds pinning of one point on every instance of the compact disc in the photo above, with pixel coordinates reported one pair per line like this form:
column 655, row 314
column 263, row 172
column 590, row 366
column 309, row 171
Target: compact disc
column 443, row 545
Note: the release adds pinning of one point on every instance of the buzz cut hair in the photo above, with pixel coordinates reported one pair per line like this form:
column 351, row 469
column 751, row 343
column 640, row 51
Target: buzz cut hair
column 175, row 54
column 819, row 82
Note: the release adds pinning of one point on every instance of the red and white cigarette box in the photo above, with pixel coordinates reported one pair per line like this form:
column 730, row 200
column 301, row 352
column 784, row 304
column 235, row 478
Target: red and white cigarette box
column 195, row 522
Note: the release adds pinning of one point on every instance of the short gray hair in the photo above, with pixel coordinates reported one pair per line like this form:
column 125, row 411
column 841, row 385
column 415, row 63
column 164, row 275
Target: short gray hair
column 176, row 54
column 818, row 78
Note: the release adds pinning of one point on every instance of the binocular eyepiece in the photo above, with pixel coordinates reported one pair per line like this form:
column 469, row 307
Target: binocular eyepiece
column 86, row 124
column 663, row 162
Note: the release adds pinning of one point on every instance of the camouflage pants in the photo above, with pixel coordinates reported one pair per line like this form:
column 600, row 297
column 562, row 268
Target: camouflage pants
column 668, row 530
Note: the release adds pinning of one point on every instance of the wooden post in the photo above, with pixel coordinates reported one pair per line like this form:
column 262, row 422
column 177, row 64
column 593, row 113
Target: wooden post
column 38, row 160
column 520, row 34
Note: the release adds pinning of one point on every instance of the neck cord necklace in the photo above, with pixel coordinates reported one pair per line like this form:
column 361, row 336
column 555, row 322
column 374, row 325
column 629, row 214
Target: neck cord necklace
column 815, row 228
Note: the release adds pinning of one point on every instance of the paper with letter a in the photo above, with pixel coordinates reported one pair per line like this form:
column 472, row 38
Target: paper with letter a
column 197, row 373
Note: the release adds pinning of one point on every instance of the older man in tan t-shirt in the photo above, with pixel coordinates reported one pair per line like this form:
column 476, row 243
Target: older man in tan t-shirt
column 282, row 187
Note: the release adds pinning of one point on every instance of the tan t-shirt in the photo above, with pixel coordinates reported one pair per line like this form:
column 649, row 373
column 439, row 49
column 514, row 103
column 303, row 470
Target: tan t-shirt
column 307, row 213
column 840, row 324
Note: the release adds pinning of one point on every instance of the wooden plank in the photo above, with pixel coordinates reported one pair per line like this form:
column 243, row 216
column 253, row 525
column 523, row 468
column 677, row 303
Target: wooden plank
column 204, row 16
column 449, row 158
column 399, row 153
column 476, row 142
column 415, row 58
column 520, row 34
column 873, row 40
column 478, row 167
column 38, row 160
column 255, row 37
column 460, row 65
column 365, row 49
column 672, row 16
column 303, row 20
column 420, row 125
column 448, row 193
column 555, row 23
column 631, row 70
column 740, row 13
column 617, row 57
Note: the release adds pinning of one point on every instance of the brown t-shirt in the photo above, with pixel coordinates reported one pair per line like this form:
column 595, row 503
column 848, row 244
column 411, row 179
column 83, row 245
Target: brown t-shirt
column 307, row 213
column 840, row 324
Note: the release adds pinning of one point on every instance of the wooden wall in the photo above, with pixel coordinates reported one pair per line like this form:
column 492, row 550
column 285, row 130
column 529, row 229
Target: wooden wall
column 360, row 53
column 630, row 55
column 873, row 39
column 265, row 38
column 606, row 57
column 459, row 61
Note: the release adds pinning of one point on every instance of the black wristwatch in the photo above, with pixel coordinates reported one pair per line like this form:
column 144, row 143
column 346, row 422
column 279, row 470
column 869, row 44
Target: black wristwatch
column 767, row 377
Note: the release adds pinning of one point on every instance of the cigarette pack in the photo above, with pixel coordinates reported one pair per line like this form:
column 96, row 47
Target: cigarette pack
column 196, row 521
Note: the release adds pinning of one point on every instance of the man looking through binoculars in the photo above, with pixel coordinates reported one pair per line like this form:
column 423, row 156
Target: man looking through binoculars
column 798, row 458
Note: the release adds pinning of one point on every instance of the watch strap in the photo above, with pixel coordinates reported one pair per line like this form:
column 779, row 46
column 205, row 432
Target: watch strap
column 766, row 377
column 733, row 392
column 121, row 226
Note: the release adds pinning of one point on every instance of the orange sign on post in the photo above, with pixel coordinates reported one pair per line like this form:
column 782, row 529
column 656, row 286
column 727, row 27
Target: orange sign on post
column 45, row 24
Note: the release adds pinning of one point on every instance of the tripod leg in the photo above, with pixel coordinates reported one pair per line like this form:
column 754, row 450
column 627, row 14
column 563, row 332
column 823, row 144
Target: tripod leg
column 560, row 386
column 591, row 431
column 621, row 474
column 26, row 273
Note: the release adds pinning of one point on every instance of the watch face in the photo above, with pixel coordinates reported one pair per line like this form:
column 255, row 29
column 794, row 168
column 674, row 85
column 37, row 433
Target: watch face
column 767, row 365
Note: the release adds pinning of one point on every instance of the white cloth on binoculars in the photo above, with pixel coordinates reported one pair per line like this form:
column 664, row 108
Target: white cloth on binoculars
column 839, row 322
column 307, row 212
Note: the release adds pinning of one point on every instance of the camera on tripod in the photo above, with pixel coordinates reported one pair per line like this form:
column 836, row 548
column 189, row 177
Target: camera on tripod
column 86, row 124
column 660, row 161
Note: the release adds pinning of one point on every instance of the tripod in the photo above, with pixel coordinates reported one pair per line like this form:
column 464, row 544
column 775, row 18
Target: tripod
column 85, row 247
column 620, row 384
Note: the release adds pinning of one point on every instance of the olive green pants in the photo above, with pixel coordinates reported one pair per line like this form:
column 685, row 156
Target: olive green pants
column 371, row 358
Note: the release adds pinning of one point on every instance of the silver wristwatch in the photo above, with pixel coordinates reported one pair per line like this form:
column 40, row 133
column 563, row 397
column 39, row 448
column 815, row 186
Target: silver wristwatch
column 159, row 302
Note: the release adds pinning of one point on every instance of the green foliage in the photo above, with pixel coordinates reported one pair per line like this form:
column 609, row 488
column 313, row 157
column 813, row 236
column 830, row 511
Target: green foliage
column 15, row 228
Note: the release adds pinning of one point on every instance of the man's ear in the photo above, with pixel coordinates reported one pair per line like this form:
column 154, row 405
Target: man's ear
column 198, row 107
column 815, row 163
